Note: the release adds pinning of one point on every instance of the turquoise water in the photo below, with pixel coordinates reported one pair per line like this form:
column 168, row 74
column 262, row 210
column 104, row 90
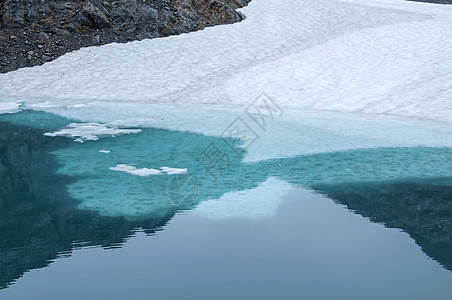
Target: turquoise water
column 58, row 195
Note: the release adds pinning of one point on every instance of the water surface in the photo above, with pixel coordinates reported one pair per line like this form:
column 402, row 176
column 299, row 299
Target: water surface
column 371, row 221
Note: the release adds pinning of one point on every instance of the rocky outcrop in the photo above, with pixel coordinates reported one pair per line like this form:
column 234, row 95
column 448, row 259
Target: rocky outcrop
column 34, row 31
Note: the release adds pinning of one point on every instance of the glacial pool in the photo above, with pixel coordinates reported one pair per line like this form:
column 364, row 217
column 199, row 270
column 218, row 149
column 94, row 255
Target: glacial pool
column 145, row 212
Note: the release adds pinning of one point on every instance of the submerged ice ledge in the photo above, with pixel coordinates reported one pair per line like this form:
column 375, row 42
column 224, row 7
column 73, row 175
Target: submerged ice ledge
column 9, row 107
column 104, row 183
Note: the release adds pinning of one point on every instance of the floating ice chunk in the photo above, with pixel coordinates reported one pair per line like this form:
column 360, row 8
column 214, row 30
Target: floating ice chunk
column 145, row 171
column 104, row 151
column 134, row 171
column 173, row 171
column 9, row 107
column 90, row 131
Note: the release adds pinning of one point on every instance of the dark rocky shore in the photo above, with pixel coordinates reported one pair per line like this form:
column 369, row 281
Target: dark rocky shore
column 33, row 32
column 434, row 1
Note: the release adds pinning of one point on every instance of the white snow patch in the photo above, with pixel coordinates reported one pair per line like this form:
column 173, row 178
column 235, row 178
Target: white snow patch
column 90, row 131
column 375, row 57
column 134, row 171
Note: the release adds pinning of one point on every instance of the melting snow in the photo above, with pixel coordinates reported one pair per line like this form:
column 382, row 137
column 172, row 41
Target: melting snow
column 373, row 57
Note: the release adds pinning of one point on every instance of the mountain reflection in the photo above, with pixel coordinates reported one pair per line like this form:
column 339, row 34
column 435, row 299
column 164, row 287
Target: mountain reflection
column 40, row 220
column 421, row 209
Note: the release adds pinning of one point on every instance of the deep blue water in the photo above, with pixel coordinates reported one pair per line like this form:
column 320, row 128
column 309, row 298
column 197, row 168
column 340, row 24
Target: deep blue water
column 376, row 222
